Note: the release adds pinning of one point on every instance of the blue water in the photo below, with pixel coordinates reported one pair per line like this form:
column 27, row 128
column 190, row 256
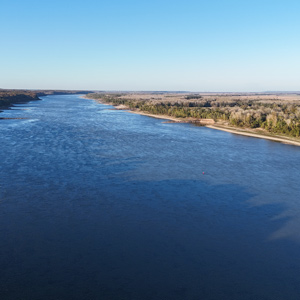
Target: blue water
column 97, row 203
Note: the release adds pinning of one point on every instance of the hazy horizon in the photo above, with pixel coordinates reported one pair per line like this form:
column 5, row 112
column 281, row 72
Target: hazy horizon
column 156, row 91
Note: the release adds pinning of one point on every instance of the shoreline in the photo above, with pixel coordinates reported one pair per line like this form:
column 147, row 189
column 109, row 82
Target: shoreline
column 164, row 117
column 216, row 126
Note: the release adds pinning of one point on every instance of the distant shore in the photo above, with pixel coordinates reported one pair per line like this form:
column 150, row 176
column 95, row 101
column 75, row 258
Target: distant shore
column 8, row 98
column 241, row 131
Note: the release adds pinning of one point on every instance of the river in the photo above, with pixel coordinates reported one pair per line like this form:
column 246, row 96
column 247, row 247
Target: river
column 97, row 203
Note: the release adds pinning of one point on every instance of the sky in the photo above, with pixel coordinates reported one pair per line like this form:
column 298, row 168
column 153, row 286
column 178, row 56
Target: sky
column 197, row 46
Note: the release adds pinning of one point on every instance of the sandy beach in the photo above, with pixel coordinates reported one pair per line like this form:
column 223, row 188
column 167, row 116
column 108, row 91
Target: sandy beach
column 255, row 135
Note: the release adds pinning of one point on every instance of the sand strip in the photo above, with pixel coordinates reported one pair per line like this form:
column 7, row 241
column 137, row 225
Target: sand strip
column 255, row 135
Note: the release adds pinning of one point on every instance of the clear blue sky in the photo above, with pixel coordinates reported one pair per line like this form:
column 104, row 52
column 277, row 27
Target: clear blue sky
column 150, row 45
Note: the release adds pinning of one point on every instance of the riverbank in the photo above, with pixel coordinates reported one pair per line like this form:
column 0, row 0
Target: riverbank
column 213, row 125
column 240, row 131
column 8, row 99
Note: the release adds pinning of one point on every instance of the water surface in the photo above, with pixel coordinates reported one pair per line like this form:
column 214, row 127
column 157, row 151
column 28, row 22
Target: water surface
column 98, row 203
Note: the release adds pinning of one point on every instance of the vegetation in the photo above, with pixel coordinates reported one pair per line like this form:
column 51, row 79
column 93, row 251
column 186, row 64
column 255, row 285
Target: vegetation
column 274, row 115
